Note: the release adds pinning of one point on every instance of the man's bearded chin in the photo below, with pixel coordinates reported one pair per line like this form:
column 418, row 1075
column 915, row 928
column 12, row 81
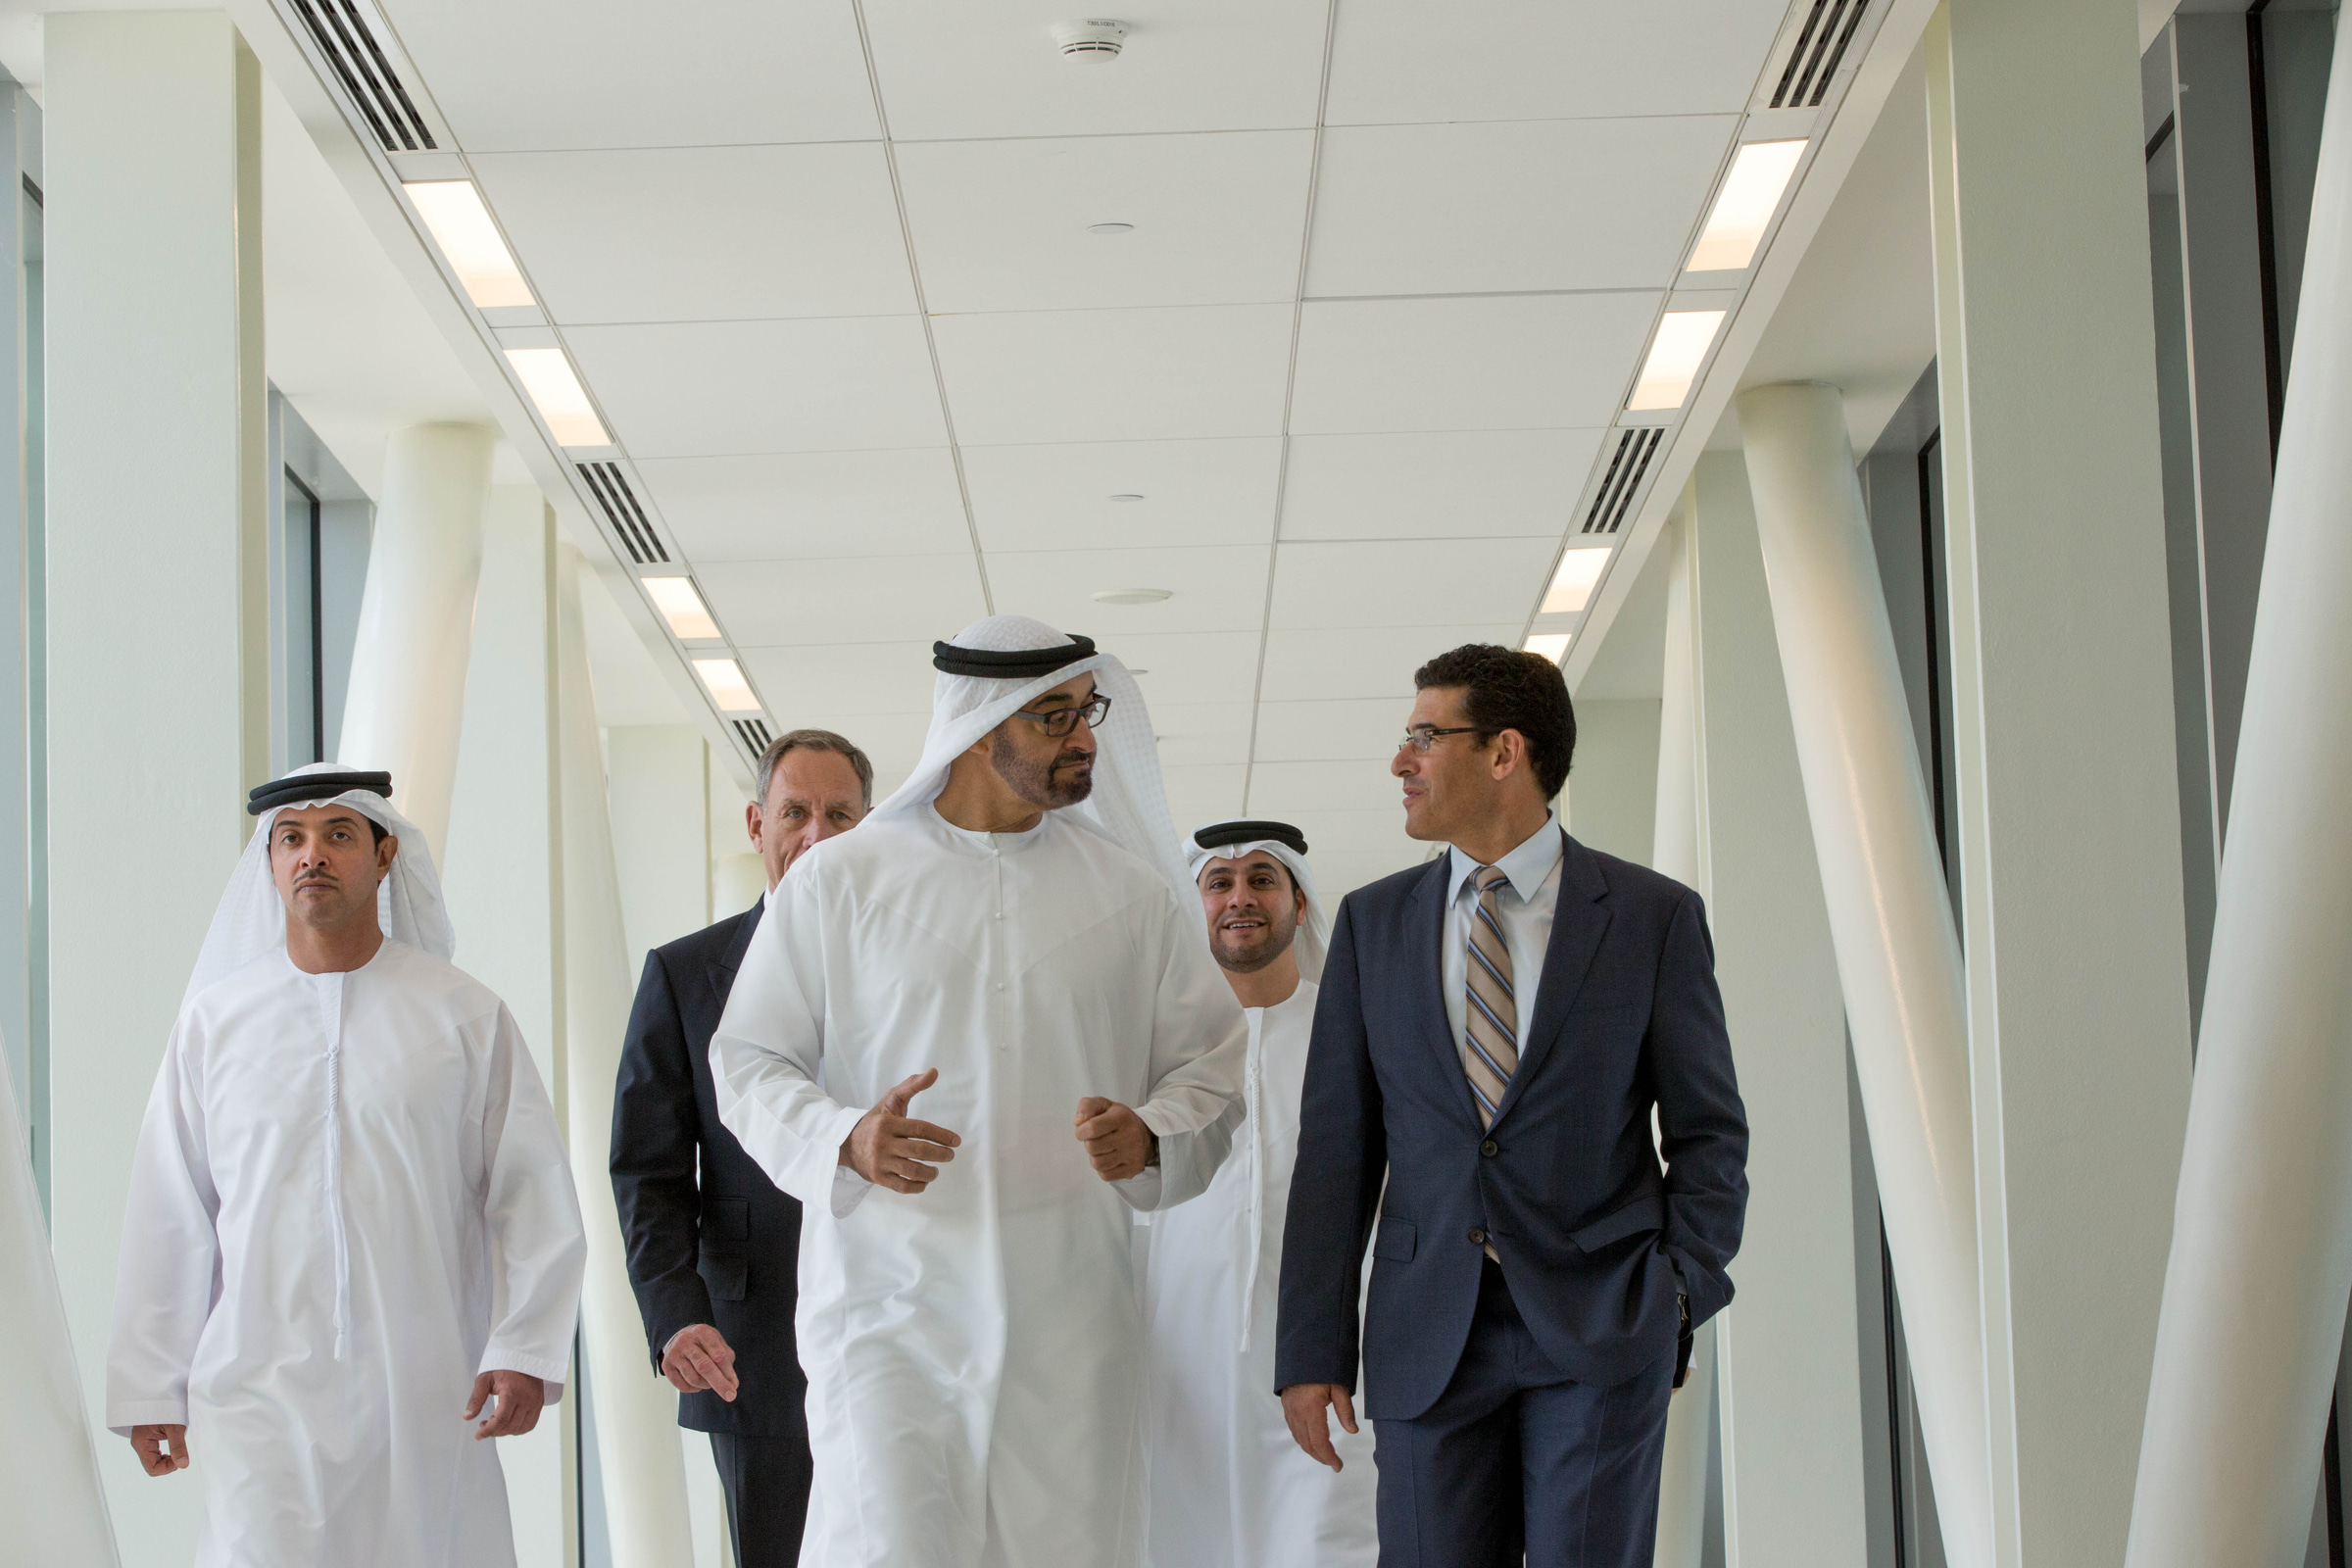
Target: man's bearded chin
column 1247, row 957
column 1036, row 782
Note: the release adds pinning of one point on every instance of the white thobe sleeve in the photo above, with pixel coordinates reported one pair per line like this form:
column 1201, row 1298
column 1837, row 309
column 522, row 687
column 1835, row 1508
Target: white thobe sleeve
column 1199, row 1045
column 531, row 1214
column 767, row 1055
column 169, row 1275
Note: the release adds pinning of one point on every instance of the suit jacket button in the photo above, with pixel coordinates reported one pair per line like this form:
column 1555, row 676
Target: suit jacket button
column 1489, row 1149
column 1477, row 1238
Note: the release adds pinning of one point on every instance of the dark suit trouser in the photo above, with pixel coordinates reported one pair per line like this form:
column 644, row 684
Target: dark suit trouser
column 766, row 1481
column 1515, row 1457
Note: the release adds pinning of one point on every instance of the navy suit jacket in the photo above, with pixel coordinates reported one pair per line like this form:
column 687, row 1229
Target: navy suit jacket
column 723, row 1249
column 1566, row 1185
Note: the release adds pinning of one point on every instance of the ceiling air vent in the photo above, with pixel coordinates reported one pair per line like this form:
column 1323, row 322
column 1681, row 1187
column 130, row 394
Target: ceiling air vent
column 359, row 64
column 611, row 489
column 753, row 734
column 1820, row 48
column 1627, row 466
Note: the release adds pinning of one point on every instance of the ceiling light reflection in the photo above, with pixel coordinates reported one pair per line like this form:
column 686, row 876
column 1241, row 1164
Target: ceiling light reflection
column 1572, row 585
column 1675, row 355
column 452, row 212
column 555, row 390
column 728, row 689
column 688, row 616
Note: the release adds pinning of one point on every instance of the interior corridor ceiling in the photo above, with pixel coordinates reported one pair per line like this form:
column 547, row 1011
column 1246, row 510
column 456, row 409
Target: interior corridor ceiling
column 1344, row 383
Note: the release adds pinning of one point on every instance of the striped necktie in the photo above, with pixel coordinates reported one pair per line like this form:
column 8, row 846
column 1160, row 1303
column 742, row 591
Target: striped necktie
column 1491, row 1020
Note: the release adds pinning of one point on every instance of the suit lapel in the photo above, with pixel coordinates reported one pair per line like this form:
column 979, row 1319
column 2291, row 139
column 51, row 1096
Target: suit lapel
column 1578, row 921
column 1425, row 937
column 729, row 959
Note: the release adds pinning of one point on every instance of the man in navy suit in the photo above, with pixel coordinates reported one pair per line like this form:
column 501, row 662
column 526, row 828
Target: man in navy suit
column 1495, row 1030
column 714, row 1246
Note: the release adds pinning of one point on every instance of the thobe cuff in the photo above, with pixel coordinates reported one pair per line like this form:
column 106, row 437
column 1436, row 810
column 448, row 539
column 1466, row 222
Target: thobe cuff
column 123, row 1415
column 550, row 1371
column 1140, row 1191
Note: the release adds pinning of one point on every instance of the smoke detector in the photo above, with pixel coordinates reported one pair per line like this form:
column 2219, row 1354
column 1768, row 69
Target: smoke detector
column 1097, row 39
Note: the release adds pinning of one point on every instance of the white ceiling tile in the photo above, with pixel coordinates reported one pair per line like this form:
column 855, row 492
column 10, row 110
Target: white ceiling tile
column 1367, row 661
column 1215, row 588
column 1288, row 791
column 890, row 599
column 705, row 233
column 1187, row 666
column 1058, row 497
column 1189, row 372
column 1435, row 485
column 991, row 68
column 1203, row 793
column 844, row 679
column 791, row 505
column 1527, row 361
column 1407, row 583
column 1355, row 730
column 1397, row 60
column 1556, row 204
column 1002, row 225
column 1195, row 734
column 710, row 388
column 610, row 74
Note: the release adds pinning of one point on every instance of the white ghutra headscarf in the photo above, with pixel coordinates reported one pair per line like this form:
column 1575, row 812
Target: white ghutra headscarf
column 1129, row 804
column 1240, row 837
column 252, row 918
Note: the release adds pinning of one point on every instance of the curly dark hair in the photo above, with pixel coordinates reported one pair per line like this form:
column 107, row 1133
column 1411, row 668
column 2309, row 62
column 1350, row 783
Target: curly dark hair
column 1503, row 688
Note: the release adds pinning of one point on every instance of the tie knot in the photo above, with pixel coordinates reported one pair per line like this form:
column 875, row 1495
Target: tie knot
column 1491, row 877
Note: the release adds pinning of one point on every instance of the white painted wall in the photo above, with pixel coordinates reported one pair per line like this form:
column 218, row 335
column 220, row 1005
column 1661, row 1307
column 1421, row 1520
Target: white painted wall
column 158, row 703
column 503, row 880
column 1611, row 800
column 2066, row 792
column 1790, row 1389
column 658, row 778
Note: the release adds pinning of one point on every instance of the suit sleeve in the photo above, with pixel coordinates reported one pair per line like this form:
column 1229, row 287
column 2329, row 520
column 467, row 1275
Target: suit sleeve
column 656, row 1132
column 1702, row 1125
column 1336, row 1184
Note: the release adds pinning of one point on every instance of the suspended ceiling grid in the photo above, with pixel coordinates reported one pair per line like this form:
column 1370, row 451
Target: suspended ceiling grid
column 829, row 277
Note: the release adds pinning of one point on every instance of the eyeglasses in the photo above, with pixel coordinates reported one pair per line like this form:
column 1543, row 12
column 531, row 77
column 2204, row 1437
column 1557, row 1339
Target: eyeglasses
column 1062, row 721
column 1421, row 736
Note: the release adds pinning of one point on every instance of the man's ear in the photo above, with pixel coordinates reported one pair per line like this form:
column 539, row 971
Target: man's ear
column 384, row 853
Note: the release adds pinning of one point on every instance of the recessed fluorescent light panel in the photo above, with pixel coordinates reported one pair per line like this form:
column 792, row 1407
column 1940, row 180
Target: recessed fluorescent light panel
column 453, row 210
column 1751, row 194
column 728, row 688
column 688, row 616
column 1551, row 645
column 547, row 375
column 1572, row 586
column 1675, row 355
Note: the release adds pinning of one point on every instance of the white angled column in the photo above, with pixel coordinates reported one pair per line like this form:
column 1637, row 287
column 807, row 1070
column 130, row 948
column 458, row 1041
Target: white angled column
column 636, row 1438
column 406, row 706
column 159, row 698
column 1683, row 1475
column 1890, row 915
column 2065, row 798
column 2253, row 1316
column 505, row 884
column 659, row 781
column 1789, row 1379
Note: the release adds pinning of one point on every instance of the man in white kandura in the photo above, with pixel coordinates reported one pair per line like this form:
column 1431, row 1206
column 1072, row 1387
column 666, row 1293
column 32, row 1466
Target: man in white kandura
column 1004, row 937
column 351, row 1224
column 1229, row 1486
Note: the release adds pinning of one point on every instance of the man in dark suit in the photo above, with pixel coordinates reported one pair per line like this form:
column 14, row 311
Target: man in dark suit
column 714, row 1246
column 1495, row 1027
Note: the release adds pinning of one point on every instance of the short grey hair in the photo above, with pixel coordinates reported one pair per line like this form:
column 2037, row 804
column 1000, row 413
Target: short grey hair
column 815, row 740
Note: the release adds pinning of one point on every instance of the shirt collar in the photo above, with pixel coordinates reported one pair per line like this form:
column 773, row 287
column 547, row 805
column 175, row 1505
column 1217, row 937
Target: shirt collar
column 1527, row 865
